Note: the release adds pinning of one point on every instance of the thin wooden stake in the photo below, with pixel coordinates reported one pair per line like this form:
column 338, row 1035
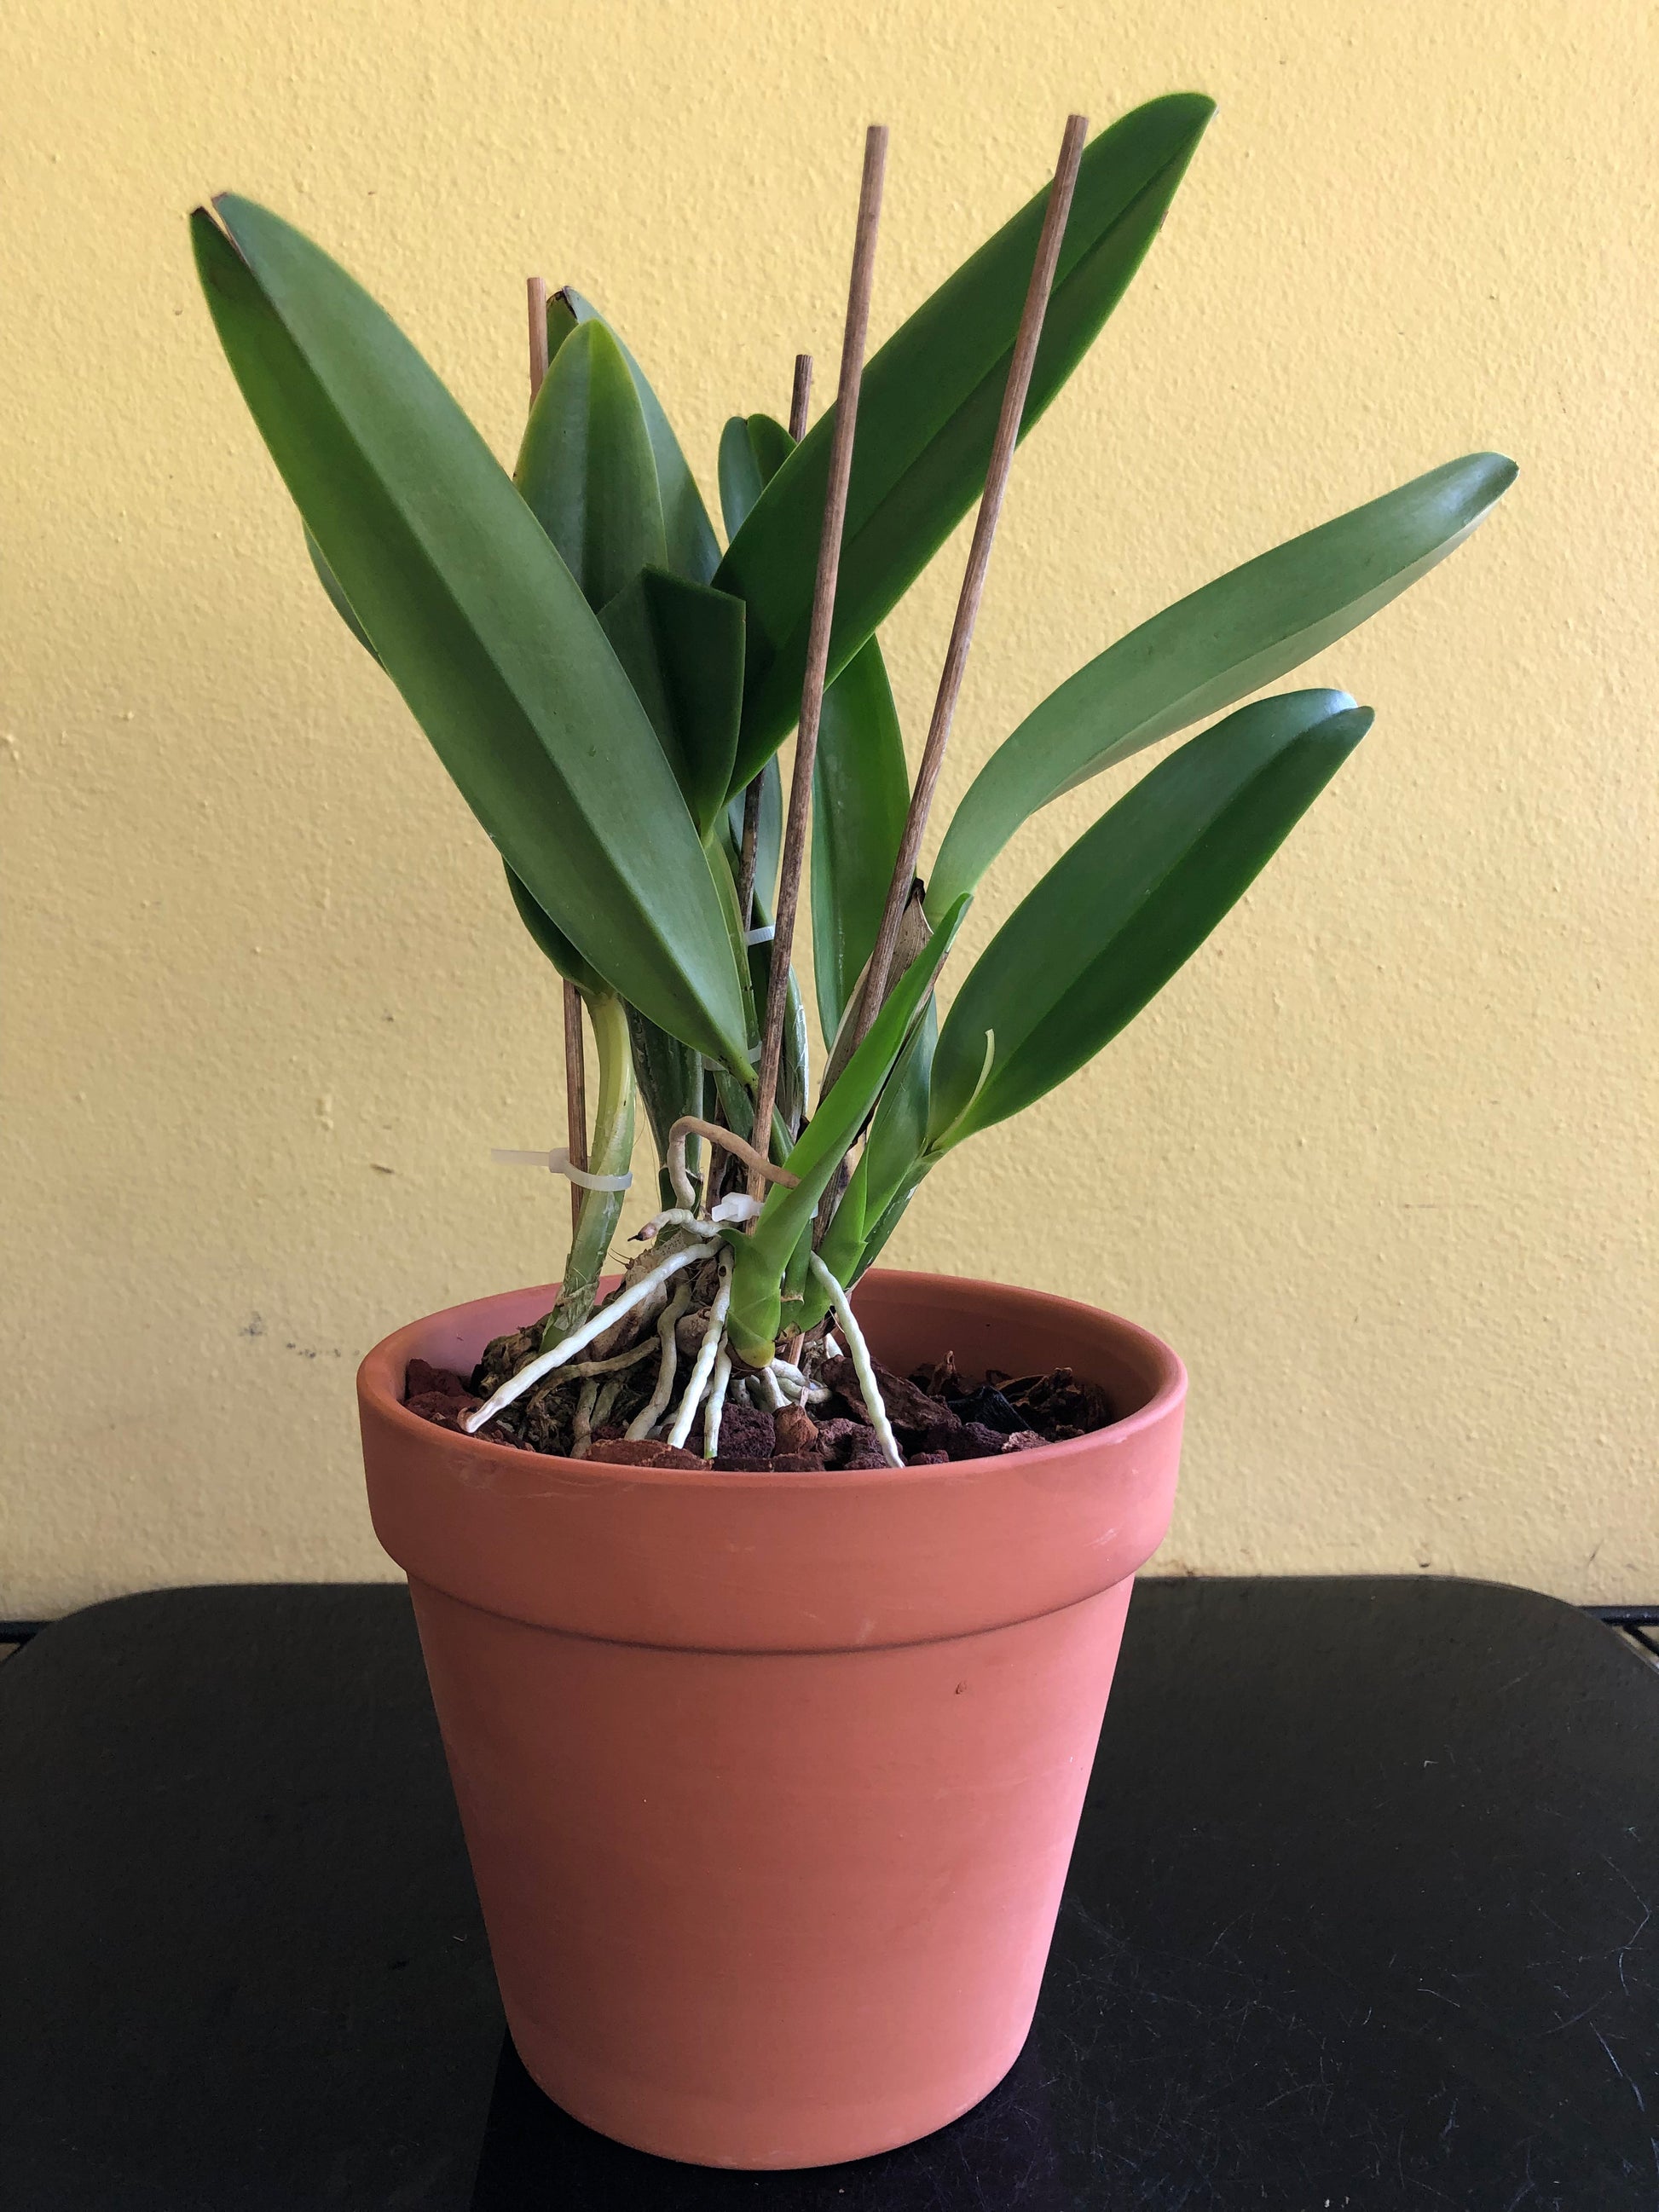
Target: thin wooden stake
column 801, row 397
column 979, row 560
column 818, row 639
column 799, row 400
column 575, row 1068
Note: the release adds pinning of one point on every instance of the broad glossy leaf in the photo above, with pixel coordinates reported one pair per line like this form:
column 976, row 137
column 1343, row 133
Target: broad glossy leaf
column 1246, row 629
column 860, row 793
column 861, row 781
column 1111, row 922
column 551, row 940
column 753, row 449
column 586, row 469
column 670, row 1076
column 928, row 411
column 892, row 1163
column 478, row 622
column 338, row 599
column 693, row 550
column 762, row 1255
column 682, row 645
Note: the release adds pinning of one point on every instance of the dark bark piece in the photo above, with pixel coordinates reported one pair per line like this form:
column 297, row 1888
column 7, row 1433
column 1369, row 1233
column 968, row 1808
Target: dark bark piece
column 847, row 1443
column 643, row 1451
column 1022, row 1440
column 939, row 1378
column 735, row 1463
column 973, row 1440
column 422, row 1381
column 747, row 1433
column 908, row 1406
column 989, row 1408
column 795, row 1430
column 928, row 1459
column 443, row 1407
column 798, row 1464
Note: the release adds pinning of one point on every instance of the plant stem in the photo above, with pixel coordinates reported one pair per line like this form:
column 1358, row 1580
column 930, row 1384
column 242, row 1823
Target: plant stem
column 824, row 606
column 876, row 975
column 613, row 1148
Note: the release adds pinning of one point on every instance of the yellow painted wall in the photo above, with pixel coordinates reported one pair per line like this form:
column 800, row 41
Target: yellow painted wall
column 1380, row 1163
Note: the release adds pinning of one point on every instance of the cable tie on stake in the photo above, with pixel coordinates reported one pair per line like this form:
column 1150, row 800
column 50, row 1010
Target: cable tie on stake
column 764, row 935
column 558, row 1162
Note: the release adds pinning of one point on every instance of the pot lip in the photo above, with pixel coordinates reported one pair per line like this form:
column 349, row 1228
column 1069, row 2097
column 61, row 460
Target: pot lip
column 381, row 1380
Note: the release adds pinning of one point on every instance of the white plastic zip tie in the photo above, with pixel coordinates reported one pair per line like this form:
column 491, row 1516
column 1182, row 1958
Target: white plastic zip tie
column 862, row 1366
column 559, row 1162
column 706, row 1353
column 737, row 1205
column 717, row 1390
column 595, row 1324
column 761, row 936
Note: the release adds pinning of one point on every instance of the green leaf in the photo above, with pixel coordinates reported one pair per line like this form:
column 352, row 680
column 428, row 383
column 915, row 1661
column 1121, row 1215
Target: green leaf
column 670, row 1077
column 928, row 411
column 1111, row 922
column 860, row 783
column 1246, row 629
column 478, row 622
column 682, row 645
column 551, row 940
column 763, row 1253
column 338, row 599
column 892, row 1163
column 753, row 449
column 586, row 469
column 860, row 794
column 693, row 550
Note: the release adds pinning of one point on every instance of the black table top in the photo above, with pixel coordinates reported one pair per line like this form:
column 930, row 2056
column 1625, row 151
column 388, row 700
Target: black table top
column 1370, row 1927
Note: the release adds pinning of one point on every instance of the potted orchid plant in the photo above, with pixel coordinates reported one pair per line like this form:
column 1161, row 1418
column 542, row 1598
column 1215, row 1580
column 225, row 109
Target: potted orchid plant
column 770, row 1598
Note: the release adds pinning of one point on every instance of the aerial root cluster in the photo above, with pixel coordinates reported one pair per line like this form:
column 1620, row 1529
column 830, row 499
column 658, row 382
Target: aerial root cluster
column 710, row 1383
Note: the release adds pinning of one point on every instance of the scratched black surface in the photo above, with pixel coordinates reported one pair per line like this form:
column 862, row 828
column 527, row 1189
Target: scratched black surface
column 1359, row 1916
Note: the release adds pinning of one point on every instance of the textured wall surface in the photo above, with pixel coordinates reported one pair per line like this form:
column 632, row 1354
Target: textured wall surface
column 1380, row 1163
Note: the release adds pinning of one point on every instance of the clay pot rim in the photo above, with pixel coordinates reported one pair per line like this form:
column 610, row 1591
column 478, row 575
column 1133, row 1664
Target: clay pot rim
column 381, row 1373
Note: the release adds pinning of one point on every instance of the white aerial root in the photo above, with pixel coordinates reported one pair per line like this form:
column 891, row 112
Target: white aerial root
column 614, row 1366
column 646, row 1419
column 671, row 1217
column 771, row 1390
column 581, row 1426
column 717, row 1390
column 832, row 1346
column 862, row 1366
column 707, row 1352
column 595, row 1324
column 692, row 1124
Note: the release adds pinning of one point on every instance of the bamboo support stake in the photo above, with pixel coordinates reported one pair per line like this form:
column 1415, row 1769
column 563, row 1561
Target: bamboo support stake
column 799, row 400
column 979, row 560
column 817, row 642
column 575, row 1073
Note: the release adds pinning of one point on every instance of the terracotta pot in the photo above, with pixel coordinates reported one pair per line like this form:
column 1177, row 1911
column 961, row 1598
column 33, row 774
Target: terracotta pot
column 770, row 1781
